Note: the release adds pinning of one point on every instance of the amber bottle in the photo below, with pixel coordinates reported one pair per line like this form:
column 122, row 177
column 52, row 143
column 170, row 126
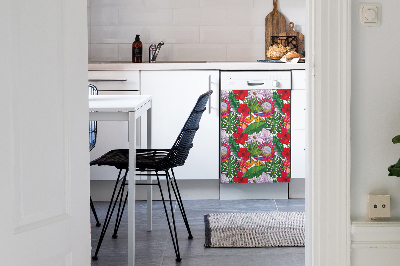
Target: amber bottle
column 137, row 50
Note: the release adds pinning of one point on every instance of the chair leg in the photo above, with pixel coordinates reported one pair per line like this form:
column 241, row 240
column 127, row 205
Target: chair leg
column 109, row 212
column 180, row 203
column 94, row 213
column 174, row 239
column 120, row 211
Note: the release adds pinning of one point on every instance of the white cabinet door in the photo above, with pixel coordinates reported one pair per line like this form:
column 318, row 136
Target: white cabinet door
column 44, row 190
column 298, row 153
column 174, row 96
column 298, row 124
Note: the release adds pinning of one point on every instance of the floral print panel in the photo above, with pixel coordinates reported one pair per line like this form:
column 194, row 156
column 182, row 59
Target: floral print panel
column 255, row 136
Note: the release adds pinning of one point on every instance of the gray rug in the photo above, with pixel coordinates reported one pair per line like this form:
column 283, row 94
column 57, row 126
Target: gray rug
column 271, row 229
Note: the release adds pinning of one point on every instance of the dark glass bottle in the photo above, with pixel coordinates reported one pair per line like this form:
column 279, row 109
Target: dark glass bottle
column 137, row 50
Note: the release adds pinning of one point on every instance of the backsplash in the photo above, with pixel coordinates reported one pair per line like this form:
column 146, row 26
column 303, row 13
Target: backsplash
column 192, row 30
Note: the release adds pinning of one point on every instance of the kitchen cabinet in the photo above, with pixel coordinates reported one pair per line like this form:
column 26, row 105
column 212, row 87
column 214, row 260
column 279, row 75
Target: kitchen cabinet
column 112, row 134
column 298, row 122
column 174, row 96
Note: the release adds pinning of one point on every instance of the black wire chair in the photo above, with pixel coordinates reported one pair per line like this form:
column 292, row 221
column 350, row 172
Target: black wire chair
column 92, row 143
column 149, row 161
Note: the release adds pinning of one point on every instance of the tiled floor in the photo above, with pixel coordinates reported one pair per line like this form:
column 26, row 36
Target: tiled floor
column 155, row 248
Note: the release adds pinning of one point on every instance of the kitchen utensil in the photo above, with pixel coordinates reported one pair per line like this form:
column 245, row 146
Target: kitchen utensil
column 275, row 23
column 292, row 32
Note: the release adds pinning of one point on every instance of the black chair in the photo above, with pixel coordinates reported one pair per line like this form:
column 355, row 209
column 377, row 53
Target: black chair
column 154, row 160
column 92, row 143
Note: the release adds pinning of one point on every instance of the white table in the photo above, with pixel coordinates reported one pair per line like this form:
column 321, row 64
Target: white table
column 127, row 108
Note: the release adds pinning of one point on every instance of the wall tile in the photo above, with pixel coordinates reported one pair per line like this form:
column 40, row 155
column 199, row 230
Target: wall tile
column 232, row 35
column 251, row 52
column 145, row 17
column 224, row 34
column 104, row 52
column 115, row 34
column 258, row 35
column 226, row 3
column 125, row 52
column 105, row 16
column 214, row 3
column 119, row 3
column 172, row 3
column 193, row 30
column 199, row 52
column 201, row 16
column 173, row 34
column 246, row 17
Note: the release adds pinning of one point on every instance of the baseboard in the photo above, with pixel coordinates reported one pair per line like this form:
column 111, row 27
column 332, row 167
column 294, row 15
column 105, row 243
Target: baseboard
column 297, row 188
column 101, row 190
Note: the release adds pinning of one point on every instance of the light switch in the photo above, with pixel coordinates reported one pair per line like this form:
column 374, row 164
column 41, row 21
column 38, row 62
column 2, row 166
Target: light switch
column 369, row 14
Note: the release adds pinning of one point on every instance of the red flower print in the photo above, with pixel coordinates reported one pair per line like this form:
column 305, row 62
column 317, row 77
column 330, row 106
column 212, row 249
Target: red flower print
column 243, row 109
column 267, row 151
column 225, row 106
column 267, row 106
column 239, row 136
column 284, row 94
column 243, row 153
column 284, row 136
column 240, row 95
column 240, row 179
column 286, row 153
column 286, row 108
column 225, row 151
column 283, row 178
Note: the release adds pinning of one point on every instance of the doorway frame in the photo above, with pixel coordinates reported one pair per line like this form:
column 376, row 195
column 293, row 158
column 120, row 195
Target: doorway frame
column 328, row 223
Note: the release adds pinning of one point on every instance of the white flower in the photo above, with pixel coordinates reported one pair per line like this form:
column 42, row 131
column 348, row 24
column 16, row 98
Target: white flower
column 224, row 94
column 224, row 136
column 256, row 94
column 266, row 178
column 256, row 138
column 266, row 135
column 224, row 179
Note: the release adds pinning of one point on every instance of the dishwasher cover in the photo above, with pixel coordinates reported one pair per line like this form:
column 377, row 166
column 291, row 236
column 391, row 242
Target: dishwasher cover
column 255, row 136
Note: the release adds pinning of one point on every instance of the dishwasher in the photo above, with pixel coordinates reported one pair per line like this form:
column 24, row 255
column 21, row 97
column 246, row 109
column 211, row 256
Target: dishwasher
column 255, row 126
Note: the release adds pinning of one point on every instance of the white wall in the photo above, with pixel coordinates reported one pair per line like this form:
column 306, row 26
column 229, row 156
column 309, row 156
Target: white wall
column 193, row 30
column 375, row 120
column 375, row 108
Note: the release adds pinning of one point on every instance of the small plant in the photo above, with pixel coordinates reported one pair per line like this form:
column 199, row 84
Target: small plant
column 394, row 170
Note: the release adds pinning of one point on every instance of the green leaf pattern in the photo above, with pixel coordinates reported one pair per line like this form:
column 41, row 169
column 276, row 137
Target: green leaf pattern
column 258, row 142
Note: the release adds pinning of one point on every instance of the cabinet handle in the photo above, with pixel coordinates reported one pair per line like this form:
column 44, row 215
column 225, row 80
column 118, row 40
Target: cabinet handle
column 254, row 83
column 209, row 99
column 99, row 80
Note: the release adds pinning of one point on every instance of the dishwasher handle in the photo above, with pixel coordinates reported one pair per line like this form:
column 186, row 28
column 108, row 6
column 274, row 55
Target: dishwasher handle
column 249, row 83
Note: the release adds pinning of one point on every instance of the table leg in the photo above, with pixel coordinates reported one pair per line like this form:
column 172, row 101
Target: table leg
column 132, row 190
column 149, row 178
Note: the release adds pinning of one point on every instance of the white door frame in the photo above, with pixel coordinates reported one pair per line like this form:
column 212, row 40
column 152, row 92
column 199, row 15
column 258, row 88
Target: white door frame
column 329, row 82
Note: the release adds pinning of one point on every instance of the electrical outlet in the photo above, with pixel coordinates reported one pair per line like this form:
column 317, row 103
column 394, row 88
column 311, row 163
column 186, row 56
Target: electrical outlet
column 378, row 206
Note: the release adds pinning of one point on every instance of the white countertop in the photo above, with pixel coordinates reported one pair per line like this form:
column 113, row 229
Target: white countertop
column 196, row 66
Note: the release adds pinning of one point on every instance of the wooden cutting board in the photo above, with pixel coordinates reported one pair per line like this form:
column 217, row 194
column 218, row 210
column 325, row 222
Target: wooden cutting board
column 275, row 23
column 299, row 36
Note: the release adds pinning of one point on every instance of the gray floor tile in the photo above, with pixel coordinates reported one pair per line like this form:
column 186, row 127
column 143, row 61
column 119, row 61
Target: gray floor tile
column 155, row 248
